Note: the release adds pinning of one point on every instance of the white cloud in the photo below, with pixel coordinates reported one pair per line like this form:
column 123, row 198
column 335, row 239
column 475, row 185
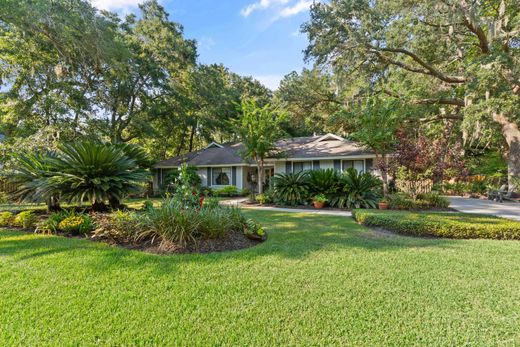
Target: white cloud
column 270, row 81
column 205, row 43
column 115, row 4
column 300, row 6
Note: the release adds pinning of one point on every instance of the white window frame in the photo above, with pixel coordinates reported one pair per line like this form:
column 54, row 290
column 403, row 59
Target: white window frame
column 225, row 169
column 353, row 165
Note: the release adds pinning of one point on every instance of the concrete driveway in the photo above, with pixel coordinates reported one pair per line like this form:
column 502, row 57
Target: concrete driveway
column 509, row 210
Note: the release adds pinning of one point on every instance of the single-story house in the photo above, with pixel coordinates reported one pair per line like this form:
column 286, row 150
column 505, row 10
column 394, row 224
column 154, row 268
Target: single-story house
column 222, row 164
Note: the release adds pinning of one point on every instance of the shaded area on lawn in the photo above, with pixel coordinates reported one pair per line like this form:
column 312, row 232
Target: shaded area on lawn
column 297, row 236
column 318, row 280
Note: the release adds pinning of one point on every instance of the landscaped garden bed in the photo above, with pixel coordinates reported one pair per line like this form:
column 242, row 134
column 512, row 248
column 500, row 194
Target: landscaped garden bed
column 439, row 224
column 169, row 228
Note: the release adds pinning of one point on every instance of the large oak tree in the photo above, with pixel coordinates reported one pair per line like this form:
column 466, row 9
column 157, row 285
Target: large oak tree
column 461, row 55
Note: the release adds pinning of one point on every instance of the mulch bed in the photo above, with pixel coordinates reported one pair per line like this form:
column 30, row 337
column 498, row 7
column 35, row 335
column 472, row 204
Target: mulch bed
column 233, row 241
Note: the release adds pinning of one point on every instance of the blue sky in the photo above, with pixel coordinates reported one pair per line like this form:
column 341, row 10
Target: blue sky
column 252, row 37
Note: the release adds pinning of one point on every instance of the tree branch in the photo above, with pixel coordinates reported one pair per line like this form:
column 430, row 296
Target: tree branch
column 428, row 69
column 482, row 38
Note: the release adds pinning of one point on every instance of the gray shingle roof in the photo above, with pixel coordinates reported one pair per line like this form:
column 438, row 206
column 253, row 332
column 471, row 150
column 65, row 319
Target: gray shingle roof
column 327, row 146
column 320, row 147
column 229, row 154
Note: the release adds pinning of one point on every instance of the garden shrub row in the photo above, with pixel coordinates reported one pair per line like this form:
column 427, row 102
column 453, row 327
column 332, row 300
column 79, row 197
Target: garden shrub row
column 403, row 201
column 441, row 224
column 350, row 189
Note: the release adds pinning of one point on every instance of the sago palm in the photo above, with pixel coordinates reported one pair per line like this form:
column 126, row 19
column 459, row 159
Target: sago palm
column 94, row 172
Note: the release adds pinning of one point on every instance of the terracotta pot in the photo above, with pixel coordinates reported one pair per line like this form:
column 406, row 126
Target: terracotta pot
column 319, row 204
column 383, row 205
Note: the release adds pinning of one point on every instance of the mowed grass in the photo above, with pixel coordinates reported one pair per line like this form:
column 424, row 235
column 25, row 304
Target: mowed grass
column 318, row 280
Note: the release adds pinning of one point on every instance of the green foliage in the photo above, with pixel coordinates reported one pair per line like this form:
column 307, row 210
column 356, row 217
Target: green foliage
column 147, row 204
column 119, row 226
column 184, row 178
column 172, row 223
column 76, row 224
column 25, row 219
column 320, row 198
column 263, row 198
column 218, row 221
column 32, row 172
column 51, row 224
column 291, row 188
column 210, row 203
column 6, row 219
column 358, row 190
column 81, row 171
column 403, row 201
column 227, row 191
column 96, row 172
column 187, row 187
column 254, row 230
column 450, row 225
column 258, row 129
column 324, row 181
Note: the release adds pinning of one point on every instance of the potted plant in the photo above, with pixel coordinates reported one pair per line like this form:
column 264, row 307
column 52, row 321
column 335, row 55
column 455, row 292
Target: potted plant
column 319, row 201
column 383, row 204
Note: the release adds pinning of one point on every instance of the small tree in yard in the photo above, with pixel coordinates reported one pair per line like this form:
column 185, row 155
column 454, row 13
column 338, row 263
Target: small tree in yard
column 375, row 126
column 258, row 128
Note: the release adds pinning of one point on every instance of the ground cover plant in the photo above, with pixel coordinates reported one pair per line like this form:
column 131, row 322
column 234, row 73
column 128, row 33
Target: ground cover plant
column 450, row 225
column 317, row 280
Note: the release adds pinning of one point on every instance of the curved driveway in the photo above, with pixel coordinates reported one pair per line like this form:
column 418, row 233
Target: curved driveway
column 509, row 210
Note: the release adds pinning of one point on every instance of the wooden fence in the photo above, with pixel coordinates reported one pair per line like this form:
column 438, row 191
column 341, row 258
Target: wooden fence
column 414, row 187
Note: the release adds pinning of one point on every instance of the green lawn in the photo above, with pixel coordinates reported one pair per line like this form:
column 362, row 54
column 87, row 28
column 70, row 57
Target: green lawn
column 318, row 280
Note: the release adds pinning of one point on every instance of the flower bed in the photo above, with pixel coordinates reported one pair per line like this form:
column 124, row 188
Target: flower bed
column 173, row 227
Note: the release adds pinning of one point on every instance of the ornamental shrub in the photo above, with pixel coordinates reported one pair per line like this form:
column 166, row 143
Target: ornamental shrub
column 441, row 224
column 25, row 219
column 227, row 191
column 6, row 219
column 291, row 188
column 76, row 223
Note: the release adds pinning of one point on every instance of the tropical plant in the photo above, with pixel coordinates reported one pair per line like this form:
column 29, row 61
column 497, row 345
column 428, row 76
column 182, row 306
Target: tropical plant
column 76, row 223
column 320, row 198
column 263, row 198
column 324, row 181
column 171, row 222
column 92, row 171
column 254, row 230
column 25, row 219
column 259, row 128
column 358, row 190
column 32, row 170
column 291, row 188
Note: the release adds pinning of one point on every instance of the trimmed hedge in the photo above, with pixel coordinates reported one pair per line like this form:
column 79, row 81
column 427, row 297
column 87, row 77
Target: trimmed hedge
column 441, row 224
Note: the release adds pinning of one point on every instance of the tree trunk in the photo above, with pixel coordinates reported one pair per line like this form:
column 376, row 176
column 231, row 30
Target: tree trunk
column 53, row 204
column 260, row 176
column 192, row 135
column 382, row 164
column 511, row 134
